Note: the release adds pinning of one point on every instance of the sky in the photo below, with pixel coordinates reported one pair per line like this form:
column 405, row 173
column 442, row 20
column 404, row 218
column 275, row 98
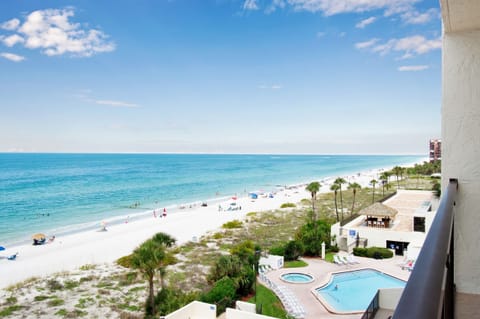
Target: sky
column 220, row 76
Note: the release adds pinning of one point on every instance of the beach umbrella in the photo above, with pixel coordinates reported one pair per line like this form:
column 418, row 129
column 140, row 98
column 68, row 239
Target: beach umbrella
column 38, row 236
column 2, row 248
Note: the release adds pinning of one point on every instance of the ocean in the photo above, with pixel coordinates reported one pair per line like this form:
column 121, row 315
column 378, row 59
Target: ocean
column 57, row 193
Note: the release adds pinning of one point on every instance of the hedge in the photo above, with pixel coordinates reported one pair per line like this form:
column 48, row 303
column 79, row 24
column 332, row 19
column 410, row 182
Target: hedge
column 373, row 252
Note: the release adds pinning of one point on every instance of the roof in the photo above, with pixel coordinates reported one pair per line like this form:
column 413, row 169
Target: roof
column 379, row 210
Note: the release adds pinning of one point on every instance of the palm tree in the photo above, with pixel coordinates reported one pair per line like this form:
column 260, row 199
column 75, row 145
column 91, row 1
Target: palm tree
column 353, row 187
column 384, row 180
column 335, row 188
column 340, row 181
column 398, row 171
column 150, row 257
column 313, row 188
column 373, row 182
column 164, row 241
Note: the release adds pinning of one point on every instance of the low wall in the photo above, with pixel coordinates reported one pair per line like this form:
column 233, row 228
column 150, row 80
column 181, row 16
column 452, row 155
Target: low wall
column 195, row 309
column 388, row 298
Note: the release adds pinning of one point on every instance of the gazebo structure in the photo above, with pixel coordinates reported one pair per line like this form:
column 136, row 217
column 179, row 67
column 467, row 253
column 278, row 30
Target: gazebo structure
column 378, row 215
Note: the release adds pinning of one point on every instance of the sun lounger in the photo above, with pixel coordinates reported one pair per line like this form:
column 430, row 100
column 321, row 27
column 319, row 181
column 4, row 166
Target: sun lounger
column 337, row 260
column 12, row 257
column 351, row 259
column 344, row 260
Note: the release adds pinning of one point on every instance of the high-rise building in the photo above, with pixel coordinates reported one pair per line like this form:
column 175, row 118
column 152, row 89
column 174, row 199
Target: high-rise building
column 435, row 150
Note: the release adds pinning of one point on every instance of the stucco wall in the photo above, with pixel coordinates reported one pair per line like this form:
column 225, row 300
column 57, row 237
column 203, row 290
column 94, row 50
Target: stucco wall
column 195, row 309
column 388, row 298
column 461, row 149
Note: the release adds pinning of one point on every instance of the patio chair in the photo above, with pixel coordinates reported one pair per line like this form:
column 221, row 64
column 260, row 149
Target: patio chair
column 337, row 260
column 12, row 257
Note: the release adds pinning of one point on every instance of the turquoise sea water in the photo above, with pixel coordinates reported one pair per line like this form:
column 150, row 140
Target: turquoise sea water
column 52, row 193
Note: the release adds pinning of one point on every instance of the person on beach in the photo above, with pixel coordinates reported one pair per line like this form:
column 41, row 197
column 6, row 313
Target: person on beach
column 51, row 239
column 164, row 212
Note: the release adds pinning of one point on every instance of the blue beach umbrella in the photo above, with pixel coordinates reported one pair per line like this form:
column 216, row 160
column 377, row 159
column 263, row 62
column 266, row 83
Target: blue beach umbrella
column 2, row 248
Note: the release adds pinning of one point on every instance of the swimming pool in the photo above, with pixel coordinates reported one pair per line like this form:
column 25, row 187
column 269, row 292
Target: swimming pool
column 353, row 291
column 297, row 278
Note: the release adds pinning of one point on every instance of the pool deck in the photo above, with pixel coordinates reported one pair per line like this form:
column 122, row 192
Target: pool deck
column 321, row 270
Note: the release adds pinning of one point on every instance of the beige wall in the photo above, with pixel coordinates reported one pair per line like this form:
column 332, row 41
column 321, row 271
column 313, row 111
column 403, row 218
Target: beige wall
column 461, row 149
column 237, row 314
column 195, row 309
column 388, row 298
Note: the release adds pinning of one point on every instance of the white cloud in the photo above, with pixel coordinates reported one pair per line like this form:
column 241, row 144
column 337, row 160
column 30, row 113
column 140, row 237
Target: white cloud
column 414, row 68
column 12, row 57
column 270, row 87
column 250, row 5
column 10, row 41
column 332, row 7
column 115, row 103
column 52, row 32
column 366, row 44
column 10, row 24
column 415, row 17
column 321, row 34
column 410, row 46
column 362, row 24
column 274, row 5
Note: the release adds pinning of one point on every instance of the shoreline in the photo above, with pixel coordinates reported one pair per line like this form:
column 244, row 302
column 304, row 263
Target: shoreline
column 73, row 250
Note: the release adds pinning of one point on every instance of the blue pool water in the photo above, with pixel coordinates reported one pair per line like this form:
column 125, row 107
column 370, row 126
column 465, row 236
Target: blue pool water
column 354, row 290
column 297, row 278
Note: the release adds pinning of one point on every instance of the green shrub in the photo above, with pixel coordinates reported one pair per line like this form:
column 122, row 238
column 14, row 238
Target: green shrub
column 218, row 235
column 9, row 310
column 232, row 224
column 373, row 252
column 361, row 252
column 312, row 235
column 294, row 249
column 334, row 249
column 169, row 299
column 222, row 294
column 55, row 302
column 54, row 284
column 288, row 205
column 11, row 300
column 277, row 250
column 41, row 298
column 125, row 261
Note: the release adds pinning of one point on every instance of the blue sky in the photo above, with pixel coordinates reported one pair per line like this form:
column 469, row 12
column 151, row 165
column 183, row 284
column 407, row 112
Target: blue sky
column 224, row 76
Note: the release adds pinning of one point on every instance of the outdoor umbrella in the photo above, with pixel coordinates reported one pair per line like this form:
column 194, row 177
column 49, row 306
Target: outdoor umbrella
column 2, row 248
column 38, row 236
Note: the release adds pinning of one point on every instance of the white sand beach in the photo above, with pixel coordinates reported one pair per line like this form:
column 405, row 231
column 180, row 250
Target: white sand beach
column 70, row 252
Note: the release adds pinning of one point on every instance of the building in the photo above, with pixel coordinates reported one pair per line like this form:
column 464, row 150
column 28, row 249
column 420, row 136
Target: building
column 446, row 279
column 435, row 150
column 400, row 224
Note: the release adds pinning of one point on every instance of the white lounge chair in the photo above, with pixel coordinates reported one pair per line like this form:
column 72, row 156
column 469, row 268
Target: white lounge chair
column 345, row 260
column 352, row 259
column 337, row 260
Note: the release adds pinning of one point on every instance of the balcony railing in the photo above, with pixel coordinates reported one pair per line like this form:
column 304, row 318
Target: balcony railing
column 430, row 291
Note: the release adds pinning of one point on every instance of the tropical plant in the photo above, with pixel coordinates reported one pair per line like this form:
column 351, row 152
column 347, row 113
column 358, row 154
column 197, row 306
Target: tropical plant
column 340, row 181
column 312, row 236
column 313, row 188
column 384, row 179
column 150, row 257
column 335, row 188
column 294, row 249
column 373, row 182
column 354, row 187
column 398, row 171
